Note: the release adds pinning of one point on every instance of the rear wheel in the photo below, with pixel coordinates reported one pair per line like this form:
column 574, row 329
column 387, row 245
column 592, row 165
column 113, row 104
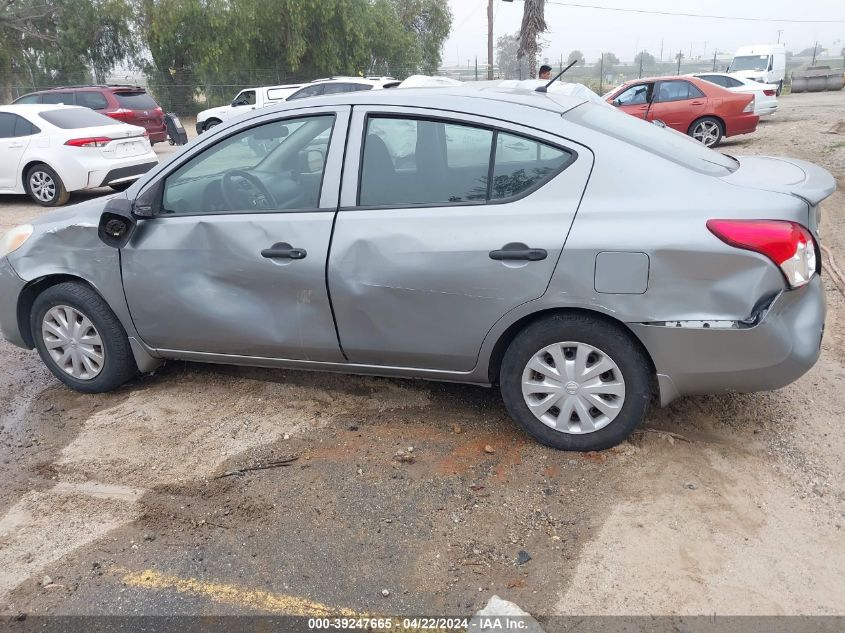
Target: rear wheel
column 45, row 187
column 707, row 130
column 80, row 339
column 576, row 383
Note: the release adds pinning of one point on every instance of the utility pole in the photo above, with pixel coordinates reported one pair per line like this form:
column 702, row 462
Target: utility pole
column 815, row 46
column 601, row 74
column 714, row 59
column 780, row 32
column 489, row 39
column 680, row 57
column 661, row 50
column 639, row 76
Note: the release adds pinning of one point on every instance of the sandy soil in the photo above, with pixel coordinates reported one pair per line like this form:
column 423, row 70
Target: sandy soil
column 729, row 504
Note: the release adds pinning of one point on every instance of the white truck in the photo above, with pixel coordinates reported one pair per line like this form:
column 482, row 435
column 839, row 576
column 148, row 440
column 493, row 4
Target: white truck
column 252, row 98
column 764, row 63
column 248, row 99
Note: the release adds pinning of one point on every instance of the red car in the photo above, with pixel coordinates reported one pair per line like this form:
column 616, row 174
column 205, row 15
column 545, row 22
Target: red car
column 130, row 104
column 703, row 110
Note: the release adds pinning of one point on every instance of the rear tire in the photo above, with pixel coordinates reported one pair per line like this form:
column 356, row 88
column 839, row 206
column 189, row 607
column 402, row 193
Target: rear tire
column 80, row 339
column 45, row 187
column 575, row 348
column 707, row 130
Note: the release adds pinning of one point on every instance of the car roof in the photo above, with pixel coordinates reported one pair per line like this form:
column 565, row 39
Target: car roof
column 110, row 87
column 35, row 108
column 447, row 98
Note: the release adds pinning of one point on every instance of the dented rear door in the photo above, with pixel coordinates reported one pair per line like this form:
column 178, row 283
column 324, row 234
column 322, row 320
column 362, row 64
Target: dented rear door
column 422, row 263
column 241, row 282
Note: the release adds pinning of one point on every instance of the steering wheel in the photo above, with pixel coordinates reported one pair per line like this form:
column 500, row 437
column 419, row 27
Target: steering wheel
column 239, row 197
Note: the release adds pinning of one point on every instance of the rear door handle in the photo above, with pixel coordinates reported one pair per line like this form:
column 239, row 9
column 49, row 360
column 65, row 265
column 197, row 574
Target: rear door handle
column 697, row 103
column 15, row 145
column 283, row 250
column 518, row 251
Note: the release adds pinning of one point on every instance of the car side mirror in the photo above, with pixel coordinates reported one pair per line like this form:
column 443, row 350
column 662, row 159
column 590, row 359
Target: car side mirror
column 314, row 160
column 117, row 222
column 148, row 204
column 659, row 123
column 617, row 102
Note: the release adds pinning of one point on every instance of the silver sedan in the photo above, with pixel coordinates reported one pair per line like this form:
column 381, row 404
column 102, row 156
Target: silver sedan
column 581, row 259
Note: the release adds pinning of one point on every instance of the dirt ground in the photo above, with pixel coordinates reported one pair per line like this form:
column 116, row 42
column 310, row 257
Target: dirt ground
column 727, row 504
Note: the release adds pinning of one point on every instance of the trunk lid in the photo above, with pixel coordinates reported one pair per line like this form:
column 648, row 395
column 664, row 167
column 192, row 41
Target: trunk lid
column 799, row 178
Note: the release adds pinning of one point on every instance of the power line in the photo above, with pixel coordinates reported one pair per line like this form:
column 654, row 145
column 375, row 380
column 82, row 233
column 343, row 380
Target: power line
column 691, row 15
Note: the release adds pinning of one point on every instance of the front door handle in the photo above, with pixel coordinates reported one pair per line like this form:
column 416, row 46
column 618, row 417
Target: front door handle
column 518, row 251
column 283, row 250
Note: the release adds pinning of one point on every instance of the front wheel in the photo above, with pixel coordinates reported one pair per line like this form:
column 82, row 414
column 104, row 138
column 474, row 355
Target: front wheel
column 576, row 383
column 80, row 339
column 707, row 130
column 45, row 187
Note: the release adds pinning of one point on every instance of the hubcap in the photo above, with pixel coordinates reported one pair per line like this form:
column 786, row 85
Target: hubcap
column 43, row 186
column 573, row 387
column 706, row 132
column 73, row 342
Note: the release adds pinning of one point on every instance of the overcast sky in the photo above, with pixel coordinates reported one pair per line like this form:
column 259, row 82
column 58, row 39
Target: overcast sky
column 592, row 31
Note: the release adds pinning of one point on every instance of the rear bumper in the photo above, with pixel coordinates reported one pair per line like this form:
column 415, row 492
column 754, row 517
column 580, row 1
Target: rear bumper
column 120, row 173
column 766, row 110
column 11, row 287
column 742, row 124
column 781, row 348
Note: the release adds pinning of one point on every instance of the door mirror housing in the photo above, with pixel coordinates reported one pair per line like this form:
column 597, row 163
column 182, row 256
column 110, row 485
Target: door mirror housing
column 117, row 222
column 148, row 203
column 617, row 102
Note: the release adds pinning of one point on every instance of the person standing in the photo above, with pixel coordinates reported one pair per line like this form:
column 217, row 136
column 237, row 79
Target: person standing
column 545, row 72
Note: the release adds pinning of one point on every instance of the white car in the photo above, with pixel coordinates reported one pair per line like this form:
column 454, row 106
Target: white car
column 265, row 96
column 47, row 151
column 765, row 95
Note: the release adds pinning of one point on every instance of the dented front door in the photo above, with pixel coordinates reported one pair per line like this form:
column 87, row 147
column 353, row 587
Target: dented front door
column 243, row 282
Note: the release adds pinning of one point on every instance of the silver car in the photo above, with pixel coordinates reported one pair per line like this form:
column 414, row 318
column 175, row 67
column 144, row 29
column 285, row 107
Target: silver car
column 581, row 259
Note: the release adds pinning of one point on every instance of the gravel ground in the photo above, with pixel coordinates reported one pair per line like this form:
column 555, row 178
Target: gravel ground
column 728, row 504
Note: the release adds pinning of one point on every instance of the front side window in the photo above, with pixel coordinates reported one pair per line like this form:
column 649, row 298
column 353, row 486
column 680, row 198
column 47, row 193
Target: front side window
column 635, row 95
column 58, row 97
column 247, row 97
column 29, row 99
column 418, row 161
column 276, row 166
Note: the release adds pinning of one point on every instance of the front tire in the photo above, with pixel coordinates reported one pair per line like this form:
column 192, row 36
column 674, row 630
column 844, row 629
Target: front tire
column 210, row 124
column 45, row 187
column 707, row 130
column 80, row 339
column 576, row 383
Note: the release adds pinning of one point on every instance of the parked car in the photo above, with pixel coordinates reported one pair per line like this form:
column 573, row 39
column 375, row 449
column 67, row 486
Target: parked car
column 245, row 100
column 129, row 104
column 764, row 63
column 597, row 277
column 705, row 111
column 765, row 95
column 254, row 98
column 47, row 151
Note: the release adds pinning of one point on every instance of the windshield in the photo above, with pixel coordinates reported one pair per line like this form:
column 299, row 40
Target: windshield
column 750, row 62
column 664, row 142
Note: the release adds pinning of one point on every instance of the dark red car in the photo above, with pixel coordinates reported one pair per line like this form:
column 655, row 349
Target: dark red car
column 703, row 110
column 130, row 104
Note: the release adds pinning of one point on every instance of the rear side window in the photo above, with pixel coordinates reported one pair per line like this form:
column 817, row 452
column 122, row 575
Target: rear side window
column 93, row 100
column 418, row 161
column 135, row 100
column 730, row 82
column 677, row 91
column 24, row 128
column 58, row 97
column 331, row 89
column 74, row 118
column 715, row 79
column 29, row 99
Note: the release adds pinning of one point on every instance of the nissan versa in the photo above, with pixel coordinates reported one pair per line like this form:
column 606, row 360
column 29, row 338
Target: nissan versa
column 576, row 256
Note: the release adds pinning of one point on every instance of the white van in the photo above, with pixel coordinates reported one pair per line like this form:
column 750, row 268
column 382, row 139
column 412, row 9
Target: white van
column 765, row 63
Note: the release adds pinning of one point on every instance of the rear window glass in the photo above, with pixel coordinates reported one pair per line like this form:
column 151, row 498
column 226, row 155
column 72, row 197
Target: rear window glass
column 93, row 100
column 135, row 100
column 74, row 118
column 664, row 142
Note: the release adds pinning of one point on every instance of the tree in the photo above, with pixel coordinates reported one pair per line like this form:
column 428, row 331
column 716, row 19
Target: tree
column 575, row 56
column 533, row 25
column 430, row 22
column 507, row 58
column 645, row 59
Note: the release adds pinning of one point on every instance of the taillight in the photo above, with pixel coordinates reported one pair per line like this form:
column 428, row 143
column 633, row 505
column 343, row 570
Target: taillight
column 750, row 106
column 787, row 244
column 770, row 93
column 91, row 141
column 121, row 114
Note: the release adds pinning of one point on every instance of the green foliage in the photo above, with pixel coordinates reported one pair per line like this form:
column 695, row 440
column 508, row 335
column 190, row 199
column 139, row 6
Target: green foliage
column 646, row 59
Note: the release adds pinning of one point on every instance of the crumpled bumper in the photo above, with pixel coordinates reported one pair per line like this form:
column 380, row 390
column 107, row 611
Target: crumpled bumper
column 781, row 348
column 10, row 289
